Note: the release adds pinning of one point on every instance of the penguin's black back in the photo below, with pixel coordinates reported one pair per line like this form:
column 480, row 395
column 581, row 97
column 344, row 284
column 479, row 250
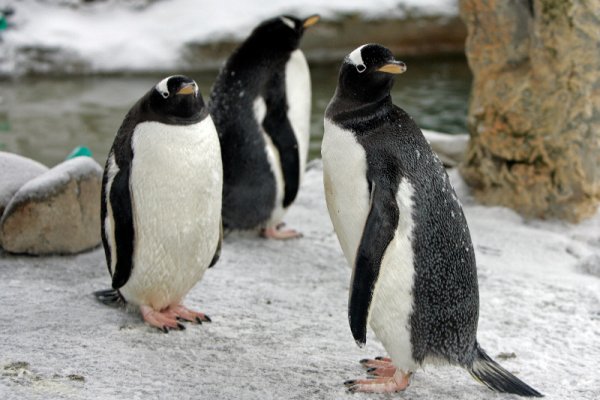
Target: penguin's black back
column 248, row 182
column 445, row 292
column 256, row 68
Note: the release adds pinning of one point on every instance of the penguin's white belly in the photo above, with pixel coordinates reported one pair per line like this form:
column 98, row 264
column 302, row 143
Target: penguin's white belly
column 274, row 159
column 298, row 94
column 176, row 185
column 346, row 187
column 392, row 301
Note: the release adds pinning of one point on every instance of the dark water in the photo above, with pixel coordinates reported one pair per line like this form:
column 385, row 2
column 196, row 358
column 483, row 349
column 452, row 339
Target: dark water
column 45, row 118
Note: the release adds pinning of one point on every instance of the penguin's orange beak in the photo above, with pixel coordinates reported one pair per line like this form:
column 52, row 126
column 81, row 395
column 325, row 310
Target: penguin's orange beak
column 396, row 67
column 188, row 88
column 310, row 21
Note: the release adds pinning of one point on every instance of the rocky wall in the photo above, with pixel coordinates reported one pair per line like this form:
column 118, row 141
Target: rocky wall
column 534, row 115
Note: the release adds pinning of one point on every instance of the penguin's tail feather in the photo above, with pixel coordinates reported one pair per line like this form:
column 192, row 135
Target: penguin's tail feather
column 492, row 375
column 110, row 297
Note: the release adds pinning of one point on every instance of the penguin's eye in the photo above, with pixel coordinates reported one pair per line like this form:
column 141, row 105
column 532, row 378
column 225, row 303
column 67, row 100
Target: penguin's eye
column 361, row 68
column 164, row 94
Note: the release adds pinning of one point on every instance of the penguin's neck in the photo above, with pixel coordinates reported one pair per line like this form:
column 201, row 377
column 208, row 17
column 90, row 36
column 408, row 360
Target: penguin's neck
column 351, row 113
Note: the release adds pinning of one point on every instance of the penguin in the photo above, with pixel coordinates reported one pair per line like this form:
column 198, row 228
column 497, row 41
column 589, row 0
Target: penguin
column 403, row 231
column 260, row 104
column 161, row 203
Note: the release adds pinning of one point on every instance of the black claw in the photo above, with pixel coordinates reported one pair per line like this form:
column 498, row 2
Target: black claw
column 350, row 382
column 379, row 358
column 352, row 389
column 371, row 370
column 164, row 329
column 198, row 320
column 207, row 318
column 181, row 327
column 364, row 361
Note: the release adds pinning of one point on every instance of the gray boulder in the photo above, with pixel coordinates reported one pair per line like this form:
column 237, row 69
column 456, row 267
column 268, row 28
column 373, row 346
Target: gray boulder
column 15, row 171
column 56, row 212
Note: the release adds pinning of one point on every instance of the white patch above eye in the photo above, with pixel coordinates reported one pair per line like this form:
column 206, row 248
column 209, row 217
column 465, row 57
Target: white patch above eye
column 163, row 88
column 356, row 59
column 288, row 22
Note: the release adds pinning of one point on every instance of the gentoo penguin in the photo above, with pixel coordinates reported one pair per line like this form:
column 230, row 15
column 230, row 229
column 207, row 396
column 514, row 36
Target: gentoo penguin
column 161, row 203
column 402, row 230
column 260, row 103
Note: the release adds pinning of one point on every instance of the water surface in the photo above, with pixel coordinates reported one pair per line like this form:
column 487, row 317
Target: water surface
column 44, row 118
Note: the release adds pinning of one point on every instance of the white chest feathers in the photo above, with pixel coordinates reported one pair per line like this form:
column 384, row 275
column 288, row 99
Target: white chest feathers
column 346, row 186
column 298, row 92
column 176, row 186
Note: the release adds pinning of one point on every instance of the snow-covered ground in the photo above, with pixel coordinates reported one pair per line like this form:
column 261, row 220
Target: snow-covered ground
column 115, row 36
column 280, row 328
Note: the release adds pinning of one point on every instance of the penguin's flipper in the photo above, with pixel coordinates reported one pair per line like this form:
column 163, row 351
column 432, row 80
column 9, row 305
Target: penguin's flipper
column 378, row 233
column 120, row 199
column 219, row 244
column 279, row 128
column 492, row 375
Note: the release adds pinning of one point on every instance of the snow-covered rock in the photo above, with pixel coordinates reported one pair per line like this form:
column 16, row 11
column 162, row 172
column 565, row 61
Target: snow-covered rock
column 56, row 212
column 15, row 171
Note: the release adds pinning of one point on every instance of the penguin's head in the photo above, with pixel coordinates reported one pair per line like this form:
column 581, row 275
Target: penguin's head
column 177, row 97
column 367, row 73
column 283, row 32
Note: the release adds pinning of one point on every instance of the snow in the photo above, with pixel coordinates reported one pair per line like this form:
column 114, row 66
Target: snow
column 111, row 36
column 450, row 148
column 43, row 185
column 15, row 171
column 280, row 328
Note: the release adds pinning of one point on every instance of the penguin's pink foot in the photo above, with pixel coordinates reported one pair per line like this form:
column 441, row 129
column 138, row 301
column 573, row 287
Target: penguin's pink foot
column 184, row 313
column 163, row 320
column 389, row 384
column 380, row 366
column 278, row 232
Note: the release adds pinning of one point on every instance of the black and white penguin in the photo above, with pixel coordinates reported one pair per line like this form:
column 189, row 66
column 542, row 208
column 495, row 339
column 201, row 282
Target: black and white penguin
column 161, row 203
column 260, row 104
column 402, row 229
